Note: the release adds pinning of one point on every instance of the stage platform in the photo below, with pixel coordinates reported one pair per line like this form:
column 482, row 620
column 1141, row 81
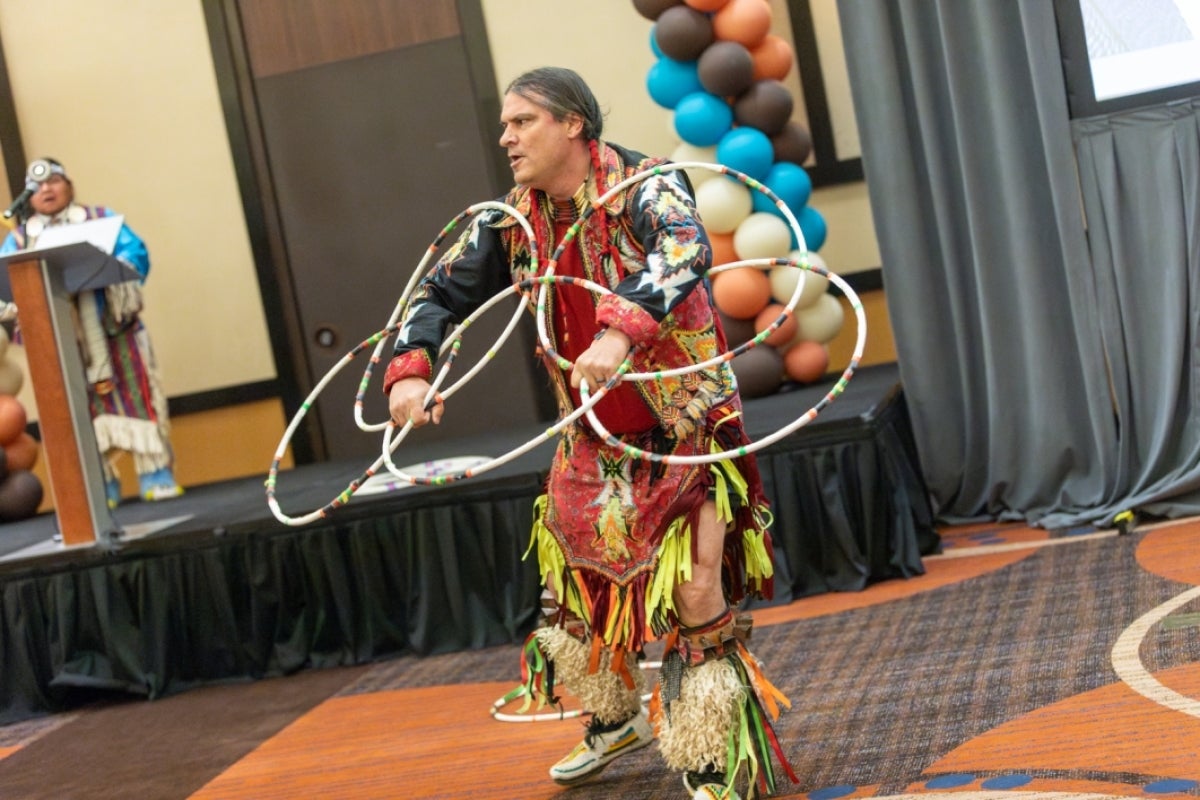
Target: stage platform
column 211, row 587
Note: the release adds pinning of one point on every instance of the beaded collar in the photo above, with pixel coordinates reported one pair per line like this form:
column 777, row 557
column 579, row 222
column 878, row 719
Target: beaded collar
column 73, row 214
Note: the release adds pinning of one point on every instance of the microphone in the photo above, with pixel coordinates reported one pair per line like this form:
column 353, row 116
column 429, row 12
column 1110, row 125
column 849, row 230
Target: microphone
column 22, row 199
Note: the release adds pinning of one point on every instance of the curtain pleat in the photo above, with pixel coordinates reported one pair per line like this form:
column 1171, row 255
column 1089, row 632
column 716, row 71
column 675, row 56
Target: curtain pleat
column 995, row 304
column 1139, row 175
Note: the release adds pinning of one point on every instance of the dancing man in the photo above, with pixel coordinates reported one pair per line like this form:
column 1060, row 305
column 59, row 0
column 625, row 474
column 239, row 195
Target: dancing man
column 629, row 550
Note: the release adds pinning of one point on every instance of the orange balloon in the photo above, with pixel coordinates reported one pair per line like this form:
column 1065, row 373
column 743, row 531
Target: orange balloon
column 773, row 58
column 722, row 247
column 12, row 418
column 806, row 361
column 21, row 452
column 741, row 293
column 786, row 330
column 744, row 21
column 706, row 5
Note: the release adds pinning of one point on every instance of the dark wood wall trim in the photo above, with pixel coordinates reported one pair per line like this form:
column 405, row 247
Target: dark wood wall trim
column 234, row 83
column 10, row 133
column 224, row 397
column 287, row 35
column 827, row 168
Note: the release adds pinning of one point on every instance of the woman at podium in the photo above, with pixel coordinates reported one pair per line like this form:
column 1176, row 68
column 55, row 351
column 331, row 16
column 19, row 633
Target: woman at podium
column 126, row 401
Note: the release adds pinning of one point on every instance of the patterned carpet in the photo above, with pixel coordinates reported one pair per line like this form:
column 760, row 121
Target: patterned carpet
column 1021, row 664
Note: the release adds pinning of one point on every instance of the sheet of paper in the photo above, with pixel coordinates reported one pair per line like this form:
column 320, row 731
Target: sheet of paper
column 101, row 232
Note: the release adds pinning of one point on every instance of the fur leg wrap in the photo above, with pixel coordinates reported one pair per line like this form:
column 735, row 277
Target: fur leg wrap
column 713, row 707
column 602, row 690
column 694, row 731
column 554, row 614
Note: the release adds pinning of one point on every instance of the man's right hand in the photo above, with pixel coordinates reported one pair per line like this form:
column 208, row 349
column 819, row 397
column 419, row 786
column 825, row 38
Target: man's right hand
column 406, row 402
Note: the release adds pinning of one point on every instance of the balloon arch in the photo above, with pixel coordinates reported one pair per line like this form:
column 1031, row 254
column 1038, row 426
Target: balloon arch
column 720, row 71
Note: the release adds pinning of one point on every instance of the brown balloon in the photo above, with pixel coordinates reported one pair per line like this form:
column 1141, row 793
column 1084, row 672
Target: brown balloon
column 737, row 331
column 725, row 69
column 767, row 105
column 20, row 495
column 651, row 9
column 793, row 144
column 759, row 371
column 682, row 33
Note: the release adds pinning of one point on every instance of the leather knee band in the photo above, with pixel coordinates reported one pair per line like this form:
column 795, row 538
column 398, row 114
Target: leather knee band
column 554, row 615
column 714, row 639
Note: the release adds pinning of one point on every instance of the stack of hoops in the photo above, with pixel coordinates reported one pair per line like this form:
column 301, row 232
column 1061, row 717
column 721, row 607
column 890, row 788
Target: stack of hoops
column 534, row 291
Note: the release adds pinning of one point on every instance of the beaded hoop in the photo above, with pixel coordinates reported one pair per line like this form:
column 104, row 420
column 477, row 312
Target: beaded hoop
column 389, row 446
column 550, row 716
column 808, row 416
column 378, row 339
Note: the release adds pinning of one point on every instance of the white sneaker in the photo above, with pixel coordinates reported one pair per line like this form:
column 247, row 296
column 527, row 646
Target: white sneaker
column 600, row 747
column 707, row 786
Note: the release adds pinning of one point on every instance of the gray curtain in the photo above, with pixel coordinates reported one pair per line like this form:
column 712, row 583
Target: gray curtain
column 1006, row 333
column 1140, row 177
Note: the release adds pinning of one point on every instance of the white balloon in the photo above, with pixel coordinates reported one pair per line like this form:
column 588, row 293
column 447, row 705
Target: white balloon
column 762, row 235
column 12, row 377
column 783, row 280
column 821, row 321
column 686, row 151
column 723, row 204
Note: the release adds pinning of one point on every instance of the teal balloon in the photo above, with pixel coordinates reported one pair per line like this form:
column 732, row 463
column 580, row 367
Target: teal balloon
column 812, row 225
column 669, row 81
column 701, row 119
column 748, row 150
column 654, row 48
column 790, row 183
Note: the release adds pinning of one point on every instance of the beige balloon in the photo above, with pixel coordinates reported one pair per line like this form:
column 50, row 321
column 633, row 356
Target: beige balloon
column 761, row 235
column 723, row 204
column 12, row 377
column 784, row 279
column 686, row 151
column 822, row 321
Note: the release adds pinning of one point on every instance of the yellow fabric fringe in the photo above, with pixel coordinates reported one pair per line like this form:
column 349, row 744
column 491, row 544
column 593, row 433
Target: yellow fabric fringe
column 673, row 562
column 552, row 562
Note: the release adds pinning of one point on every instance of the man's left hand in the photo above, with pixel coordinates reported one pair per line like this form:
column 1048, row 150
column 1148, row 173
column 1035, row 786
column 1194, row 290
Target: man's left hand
column 602, row 358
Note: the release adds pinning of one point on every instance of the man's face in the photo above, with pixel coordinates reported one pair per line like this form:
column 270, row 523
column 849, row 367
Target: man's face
column 53, row 195
column 537, row 144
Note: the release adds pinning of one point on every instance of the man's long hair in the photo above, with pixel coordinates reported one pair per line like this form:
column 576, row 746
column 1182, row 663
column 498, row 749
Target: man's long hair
column 561, row 92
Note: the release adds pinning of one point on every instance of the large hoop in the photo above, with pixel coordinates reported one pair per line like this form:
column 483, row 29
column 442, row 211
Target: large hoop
column 377, row 340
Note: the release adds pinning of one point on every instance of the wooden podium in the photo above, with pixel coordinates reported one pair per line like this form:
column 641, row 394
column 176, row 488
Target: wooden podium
column 42, row 282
